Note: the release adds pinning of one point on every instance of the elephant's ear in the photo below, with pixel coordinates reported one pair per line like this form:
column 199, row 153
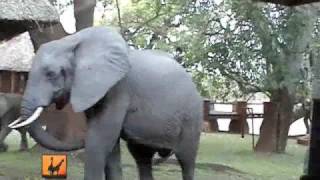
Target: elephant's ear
column 98, row 67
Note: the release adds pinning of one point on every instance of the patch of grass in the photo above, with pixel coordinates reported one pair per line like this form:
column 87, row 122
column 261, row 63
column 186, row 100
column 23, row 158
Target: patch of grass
column 236, row 152
column 221, row 156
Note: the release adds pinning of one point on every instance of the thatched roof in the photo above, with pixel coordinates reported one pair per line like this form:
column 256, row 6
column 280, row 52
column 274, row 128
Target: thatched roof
column 30, row 10
column 17, row 53
column 18, row 16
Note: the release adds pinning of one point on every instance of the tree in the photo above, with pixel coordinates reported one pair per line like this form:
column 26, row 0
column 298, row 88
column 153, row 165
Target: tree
column 284, row 41
column 240, row 46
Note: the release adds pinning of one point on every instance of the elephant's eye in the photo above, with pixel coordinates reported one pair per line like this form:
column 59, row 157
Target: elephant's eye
column 51, row 75
column 63, row 73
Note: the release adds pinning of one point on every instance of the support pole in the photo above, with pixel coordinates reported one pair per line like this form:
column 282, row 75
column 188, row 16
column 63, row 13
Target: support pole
column 239, row 125
column 314, row 149
column 206, row 108
column 250, row 111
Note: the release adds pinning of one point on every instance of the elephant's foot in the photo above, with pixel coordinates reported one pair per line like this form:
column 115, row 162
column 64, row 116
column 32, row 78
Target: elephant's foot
column 3, row 147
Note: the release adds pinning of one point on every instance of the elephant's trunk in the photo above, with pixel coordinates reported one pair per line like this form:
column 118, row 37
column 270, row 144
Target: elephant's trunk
column 48, row 141
column 43, row 137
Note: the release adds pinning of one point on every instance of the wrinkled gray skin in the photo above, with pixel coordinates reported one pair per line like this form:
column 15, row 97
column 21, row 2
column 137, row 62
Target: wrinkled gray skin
column 143, row 97
column 10, row 111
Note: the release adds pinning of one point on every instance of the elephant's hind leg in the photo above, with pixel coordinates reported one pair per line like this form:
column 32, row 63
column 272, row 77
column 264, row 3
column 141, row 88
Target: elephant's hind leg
column 186, row 154
column 143, row 157
column 3, row 134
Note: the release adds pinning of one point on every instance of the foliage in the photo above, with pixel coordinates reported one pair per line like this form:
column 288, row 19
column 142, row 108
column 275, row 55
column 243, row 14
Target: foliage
column 233, row 46
column 232, row 43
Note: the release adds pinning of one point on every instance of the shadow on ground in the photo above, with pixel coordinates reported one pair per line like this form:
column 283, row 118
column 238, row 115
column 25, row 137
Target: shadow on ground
column 206, row 166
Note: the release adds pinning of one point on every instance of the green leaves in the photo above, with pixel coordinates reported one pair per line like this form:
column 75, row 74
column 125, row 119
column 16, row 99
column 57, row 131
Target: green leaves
column 236, row 46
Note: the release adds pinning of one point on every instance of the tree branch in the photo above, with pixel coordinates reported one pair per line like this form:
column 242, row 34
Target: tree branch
column 243, row 84
column 157, row 14
column 119, row 15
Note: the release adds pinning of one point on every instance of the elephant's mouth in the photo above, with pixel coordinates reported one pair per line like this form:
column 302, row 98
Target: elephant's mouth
column 62, row 101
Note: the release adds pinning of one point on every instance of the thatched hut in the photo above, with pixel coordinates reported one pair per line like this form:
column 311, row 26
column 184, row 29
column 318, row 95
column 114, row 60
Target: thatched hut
column 15, row 62
column 17, row 16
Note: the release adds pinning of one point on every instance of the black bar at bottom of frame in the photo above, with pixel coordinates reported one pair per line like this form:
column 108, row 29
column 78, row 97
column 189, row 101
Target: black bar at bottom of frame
column 309, row 177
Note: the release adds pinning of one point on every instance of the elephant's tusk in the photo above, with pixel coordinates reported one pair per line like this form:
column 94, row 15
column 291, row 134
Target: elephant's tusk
column 34, row 117
column 14, row 122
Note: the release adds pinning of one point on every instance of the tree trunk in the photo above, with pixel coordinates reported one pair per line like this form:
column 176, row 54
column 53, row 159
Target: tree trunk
column 266, row 142
column 84, row 13
column 286, row 115
column 275, row 126
column 65, row 125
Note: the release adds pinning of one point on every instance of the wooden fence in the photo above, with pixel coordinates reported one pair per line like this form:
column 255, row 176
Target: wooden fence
column 239, row 115
column 13, row 82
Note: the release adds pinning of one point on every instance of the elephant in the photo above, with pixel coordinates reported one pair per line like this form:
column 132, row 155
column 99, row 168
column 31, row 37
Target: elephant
column 143, row 97
column 9, row 111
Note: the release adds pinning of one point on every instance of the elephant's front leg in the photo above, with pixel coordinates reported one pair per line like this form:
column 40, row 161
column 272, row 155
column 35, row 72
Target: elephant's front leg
column 104, row 128
column 24, row 139
column 113, row 170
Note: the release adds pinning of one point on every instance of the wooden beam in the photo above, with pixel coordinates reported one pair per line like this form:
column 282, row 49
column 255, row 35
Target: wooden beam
column 206, row 110
column 21, row 83
column 13, row 81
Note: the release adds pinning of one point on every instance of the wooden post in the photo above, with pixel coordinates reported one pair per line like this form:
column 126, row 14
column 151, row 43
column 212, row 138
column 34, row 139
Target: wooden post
column 13, row 81
column 239, row 125
column 213, row 122
column 6, row 81
column 242, row 111
column 206, row 109
column 21, row 83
